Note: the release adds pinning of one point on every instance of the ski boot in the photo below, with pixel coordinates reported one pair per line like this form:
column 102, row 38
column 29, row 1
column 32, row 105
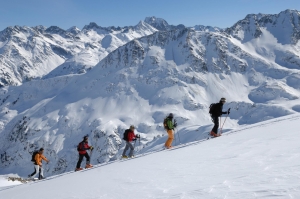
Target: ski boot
column 87, row 166
column 131, row 156
column 78, row 169
column 124, row 156
column 213, row 134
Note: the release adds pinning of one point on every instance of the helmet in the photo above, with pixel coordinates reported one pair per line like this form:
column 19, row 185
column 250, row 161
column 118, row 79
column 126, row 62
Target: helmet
column 171, row 115
column 86, row 137
column 132, row 127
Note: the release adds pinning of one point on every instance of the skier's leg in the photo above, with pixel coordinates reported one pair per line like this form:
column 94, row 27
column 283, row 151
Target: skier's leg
column 126, row 148
column 131, row 149
column 87, row 158
column 32, row 173
column 216, row 126
column 168, row 143
column 37, row 169
column 79, row 161
column 41, row 173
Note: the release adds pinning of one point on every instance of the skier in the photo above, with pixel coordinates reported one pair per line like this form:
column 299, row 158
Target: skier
column 129, row 136
column 216, row 111
column 169, row 127
column 38, row 164
column 81, row 148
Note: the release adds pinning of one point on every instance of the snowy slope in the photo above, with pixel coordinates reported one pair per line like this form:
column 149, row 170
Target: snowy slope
column 259, row 161
column 179, row 70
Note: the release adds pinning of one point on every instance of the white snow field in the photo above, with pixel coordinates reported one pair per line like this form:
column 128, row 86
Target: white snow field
column 254, row 161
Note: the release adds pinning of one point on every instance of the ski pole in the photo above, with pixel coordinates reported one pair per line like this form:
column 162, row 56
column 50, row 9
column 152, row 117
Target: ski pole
column 221, row 125
column 178, row 136
column 224, row 122
column 174, row 137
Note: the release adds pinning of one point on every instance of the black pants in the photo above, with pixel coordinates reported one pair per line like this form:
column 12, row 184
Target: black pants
column 216, row 122
column 86, row 155
column 35, row 173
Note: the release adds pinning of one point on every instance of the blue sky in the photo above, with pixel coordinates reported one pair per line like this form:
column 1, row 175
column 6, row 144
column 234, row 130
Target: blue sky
column 67, row 13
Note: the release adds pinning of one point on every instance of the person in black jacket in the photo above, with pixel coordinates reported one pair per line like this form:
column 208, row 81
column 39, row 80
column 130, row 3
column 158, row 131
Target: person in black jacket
column 216, row 113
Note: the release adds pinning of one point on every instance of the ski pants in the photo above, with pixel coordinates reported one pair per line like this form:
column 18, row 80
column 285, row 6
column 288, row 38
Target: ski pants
column 86, row 155
column 216, row 126
column 128, row 145
column 170, row 138
column 37, row 169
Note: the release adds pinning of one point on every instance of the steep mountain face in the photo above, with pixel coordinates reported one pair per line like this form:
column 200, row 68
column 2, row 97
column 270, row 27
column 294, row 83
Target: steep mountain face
column 28, row 53
column 178, row 70
column 96, row 43
column 285, row 27
column 161, row 24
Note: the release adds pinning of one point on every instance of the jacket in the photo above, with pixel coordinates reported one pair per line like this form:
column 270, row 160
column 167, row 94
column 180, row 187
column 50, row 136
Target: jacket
column 38, row 159
column 130, row 136
column 83, row 146
column 218, row 110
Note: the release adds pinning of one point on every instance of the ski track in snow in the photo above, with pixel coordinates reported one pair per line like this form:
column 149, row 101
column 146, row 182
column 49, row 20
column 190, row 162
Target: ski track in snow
column 256, row 161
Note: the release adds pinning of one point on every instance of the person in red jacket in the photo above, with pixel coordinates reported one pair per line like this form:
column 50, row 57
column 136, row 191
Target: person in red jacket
column 129, row 136
column 82, row 147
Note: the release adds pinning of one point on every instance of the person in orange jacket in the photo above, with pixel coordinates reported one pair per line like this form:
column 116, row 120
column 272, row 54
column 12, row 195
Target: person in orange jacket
column 38, row 166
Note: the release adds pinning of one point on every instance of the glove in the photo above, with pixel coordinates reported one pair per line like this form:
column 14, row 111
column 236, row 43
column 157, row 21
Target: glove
column 134, row 139
column 228, row 112
column 175, row 125
column 137, row 136
column 91, row 148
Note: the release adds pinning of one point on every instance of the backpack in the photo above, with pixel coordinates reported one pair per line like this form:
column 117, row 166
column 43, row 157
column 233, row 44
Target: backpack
column 165, row 123
column 125, row 135
column 79, row 147
column 33, row 156
column 212, row 108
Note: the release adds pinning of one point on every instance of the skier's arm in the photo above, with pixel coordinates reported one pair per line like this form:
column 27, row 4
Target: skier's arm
column 44, row 158
column 86, row 147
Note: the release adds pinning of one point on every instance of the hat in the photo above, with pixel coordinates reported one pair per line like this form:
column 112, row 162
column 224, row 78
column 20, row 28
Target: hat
column 223, row 99
column 41, row 149
column 171, row 115
column 86, row 137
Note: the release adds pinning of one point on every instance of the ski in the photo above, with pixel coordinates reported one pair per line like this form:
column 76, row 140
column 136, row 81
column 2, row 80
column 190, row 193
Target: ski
column 22, row 180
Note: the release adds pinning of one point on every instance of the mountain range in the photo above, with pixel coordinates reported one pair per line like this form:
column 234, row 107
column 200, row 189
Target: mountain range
column 59, row 85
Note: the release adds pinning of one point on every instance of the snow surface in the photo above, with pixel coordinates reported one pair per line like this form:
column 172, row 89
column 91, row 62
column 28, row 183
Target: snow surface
column 143, row 75
column 254, row 161
column 4, row 183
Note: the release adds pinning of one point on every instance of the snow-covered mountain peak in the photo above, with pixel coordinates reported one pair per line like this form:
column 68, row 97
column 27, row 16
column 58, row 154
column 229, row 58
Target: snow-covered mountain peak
column 285, row 27
column 206, row 28
column 142, row 26
column 74, row 30
column 59, row 31
column 144, row 72
column 158, row 23
column 40, row 28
